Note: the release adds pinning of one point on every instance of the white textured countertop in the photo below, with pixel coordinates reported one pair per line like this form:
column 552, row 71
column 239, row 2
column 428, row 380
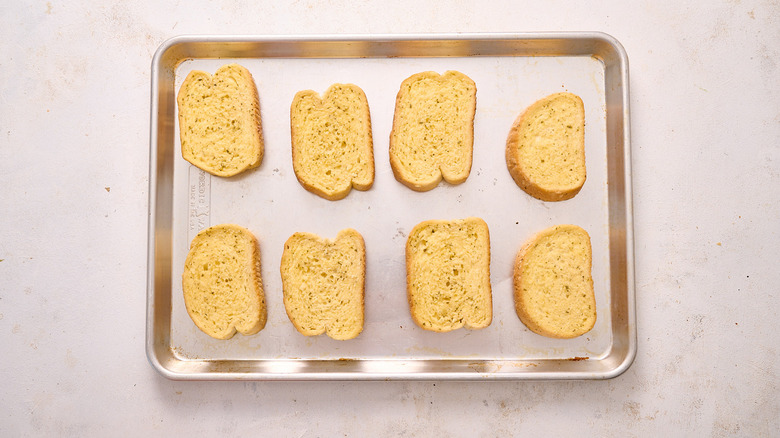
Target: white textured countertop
column 74, row 155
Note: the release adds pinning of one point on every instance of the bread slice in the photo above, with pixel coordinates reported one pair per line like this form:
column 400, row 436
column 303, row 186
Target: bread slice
column 433, row 129
column 332, row 147
column 223, row 292
column 545, row 150
column 219, row 121
column 323, row 283
column 553, row 285
column 448, row 274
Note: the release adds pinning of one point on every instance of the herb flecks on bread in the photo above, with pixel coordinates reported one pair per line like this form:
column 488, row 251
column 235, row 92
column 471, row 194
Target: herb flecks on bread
column 448, row 274
column 553, row 286
column 433, row 129
column 219, row 121
column 323, row 283
column 545, row 149
column 223, row 292
column 332, row 146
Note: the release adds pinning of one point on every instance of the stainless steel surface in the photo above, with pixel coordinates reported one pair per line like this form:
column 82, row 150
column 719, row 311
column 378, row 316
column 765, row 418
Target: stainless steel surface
column 510, row 70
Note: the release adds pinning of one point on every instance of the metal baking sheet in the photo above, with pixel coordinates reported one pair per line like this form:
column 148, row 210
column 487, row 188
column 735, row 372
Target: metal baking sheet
column 511, row 72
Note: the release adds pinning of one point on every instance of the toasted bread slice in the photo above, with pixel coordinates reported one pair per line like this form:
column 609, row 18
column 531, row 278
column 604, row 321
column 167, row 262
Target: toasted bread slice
column 223, row 292
column 219, row 121
column 323, row 283
column 553, row 286
column 545, row 149
column 433, row 129
column 448, row 274
column 332, row 146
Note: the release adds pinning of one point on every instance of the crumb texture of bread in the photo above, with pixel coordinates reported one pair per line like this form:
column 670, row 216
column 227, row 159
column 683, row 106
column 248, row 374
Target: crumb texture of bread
column 323, row 283
column 219, row 121
column 553, row 286
column 433, row 129
column 448, row 274
column 223, row 291
column 545, row 149
column 332, row 146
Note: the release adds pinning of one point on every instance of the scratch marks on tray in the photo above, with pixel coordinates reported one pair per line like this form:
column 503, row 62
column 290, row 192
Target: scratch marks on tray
column 429, row 350
column 597, row 79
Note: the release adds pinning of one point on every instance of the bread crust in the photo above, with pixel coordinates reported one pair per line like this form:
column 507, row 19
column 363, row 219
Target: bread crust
column 520, row 307
column 449, row 176
column 485, row 285
column 244, row 323
column 328, row 327
column 298, row 144
column 248, row 100
column 517, row 168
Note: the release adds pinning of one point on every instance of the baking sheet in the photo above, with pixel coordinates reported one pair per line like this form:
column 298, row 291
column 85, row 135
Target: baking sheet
column 271, row 203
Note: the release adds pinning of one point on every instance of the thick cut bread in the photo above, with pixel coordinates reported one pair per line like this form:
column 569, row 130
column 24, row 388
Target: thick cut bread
column 323, row 283
column 219, row 121
column 433, row 129
column 553, row 285
column 332, row 147
column 448, row 274
column 221, row 281
column 545, row 150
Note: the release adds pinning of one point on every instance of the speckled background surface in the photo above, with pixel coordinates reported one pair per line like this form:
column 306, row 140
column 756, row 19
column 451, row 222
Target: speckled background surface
column 74, row 129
